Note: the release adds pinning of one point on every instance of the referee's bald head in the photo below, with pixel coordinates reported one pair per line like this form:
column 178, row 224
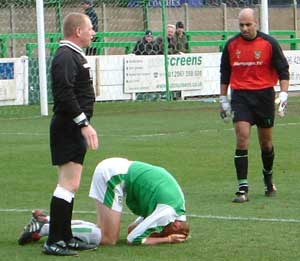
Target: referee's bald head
column 72, row 21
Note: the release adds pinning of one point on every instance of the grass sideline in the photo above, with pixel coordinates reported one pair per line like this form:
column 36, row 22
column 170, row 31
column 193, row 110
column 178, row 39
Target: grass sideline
column 187, row 138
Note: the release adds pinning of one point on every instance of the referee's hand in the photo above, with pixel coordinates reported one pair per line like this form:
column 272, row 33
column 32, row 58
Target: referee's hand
column 90, row 136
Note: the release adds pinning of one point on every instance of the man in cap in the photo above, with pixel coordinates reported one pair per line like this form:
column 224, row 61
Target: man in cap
column 180, row 39
column 147, row 45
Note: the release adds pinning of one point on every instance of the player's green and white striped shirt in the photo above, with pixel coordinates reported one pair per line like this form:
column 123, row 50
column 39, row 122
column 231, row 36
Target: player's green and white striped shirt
column 151, row 193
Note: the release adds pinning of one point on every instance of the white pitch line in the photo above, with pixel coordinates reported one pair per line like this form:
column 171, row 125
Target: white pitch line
column 24, row 133
column 143, row 135
column 283, row 220
column 227, row 218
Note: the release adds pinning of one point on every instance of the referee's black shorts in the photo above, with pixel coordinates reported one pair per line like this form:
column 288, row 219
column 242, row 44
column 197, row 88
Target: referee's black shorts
column 66, row 141
column 256, row 107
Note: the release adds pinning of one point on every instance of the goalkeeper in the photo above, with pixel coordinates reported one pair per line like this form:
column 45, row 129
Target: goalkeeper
column 152, row 193
column 252, row 62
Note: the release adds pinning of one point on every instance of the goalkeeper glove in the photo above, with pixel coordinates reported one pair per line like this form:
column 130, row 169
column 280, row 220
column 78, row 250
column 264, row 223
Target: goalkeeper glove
column 225, row 108
column 282, row 103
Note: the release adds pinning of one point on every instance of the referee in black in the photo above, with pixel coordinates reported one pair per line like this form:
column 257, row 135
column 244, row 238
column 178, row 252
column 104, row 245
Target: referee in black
column 70, row 131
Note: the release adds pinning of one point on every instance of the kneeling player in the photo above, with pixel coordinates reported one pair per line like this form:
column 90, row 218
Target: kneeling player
column 152, row 193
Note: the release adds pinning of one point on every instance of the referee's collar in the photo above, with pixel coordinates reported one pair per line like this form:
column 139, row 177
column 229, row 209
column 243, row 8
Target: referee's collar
column 71, row 45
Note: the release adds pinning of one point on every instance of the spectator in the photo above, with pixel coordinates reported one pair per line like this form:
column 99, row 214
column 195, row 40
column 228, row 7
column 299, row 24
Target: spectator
column 147, row 45
column 180, row 39
column 90, row 12
column 160, row 44
column 171, row 41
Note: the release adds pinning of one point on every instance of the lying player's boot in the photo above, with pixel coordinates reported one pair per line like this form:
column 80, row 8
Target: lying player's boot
column 58, row 249
column 270, row 190
column 32, row 229
column 241, row 197
column 77, row 244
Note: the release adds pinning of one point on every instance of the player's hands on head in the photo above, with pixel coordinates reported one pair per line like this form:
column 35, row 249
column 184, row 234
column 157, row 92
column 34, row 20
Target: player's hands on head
column 90, row 136
column 225, row 108
column 281, row 101
column 177, row 238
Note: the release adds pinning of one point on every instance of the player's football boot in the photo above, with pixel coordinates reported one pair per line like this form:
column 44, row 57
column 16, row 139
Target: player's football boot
column 77, row 244
column 241, row 197
column 270, row 189
column 32, row 230
column 58, row 249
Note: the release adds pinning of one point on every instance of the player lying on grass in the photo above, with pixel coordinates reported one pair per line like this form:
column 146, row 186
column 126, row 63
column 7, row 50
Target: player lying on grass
column 151, row 192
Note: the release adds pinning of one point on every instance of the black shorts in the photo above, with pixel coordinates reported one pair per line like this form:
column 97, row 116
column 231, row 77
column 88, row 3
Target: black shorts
column 255, row 107
column 66, row 141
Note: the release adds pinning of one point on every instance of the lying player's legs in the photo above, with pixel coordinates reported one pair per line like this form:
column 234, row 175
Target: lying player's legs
column 86, row 231
column 109, row 222
column 39, row 227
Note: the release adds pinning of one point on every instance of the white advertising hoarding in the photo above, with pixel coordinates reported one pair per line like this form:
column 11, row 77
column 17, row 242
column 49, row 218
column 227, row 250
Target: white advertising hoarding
column 14, row 81
column 186, row 72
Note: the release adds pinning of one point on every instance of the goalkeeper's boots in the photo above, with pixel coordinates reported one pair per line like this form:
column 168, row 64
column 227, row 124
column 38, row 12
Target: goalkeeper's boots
column 32, row 230
column 58, row 249
column 270, row 189
column 241, row 197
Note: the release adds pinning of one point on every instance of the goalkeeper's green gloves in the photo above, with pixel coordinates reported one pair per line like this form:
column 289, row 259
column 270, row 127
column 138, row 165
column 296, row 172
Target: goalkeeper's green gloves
column 225, row 109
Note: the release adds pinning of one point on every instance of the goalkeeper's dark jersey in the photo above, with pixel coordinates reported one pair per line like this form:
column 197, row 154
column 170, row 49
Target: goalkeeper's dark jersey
column 253, row 64
column 72, row 86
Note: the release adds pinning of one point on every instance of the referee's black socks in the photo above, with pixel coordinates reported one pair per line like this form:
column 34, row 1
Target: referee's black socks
column 61, row 208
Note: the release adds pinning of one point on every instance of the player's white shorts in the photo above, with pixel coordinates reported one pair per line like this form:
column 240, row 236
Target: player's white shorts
column 108, row 182
column 86, row 231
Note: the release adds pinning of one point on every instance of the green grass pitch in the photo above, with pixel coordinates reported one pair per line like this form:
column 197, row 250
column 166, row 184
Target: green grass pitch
column 191, row 141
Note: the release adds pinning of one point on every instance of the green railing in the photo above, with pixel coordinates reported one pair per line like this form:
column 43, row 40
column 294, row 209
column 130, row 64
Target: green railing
column 4, row 38
column 30, row 47
column 103, row 40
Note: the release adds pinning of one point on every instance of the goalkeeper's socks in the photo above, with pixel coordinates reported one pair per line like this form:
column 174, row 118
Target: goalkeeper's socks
column 267, row 159
column 241, row 164
column 268, row 177
column 243, row 185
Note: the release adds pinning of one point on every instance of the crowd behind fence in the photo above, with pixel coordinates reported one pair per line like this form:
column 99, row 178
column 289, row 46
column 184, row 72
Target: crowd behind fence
column 208, row 24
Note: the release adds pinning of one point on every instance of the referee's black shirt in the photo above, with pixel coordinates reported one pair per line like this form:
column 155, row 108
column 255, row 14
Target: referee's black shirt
column 72, row 85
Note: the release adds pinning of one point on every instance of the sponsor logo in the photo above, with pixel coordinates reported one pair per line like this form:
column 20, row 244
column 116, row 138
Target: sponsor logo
column 257, row 54
column 238, row 54
column 181, row 61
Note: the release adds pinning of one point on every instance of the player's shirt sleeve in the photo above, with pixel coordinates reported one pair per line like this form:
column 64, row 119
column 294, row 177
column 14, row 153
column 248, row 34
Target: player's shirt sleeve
column 225, row 69
column 279, row 61
column 161, row 216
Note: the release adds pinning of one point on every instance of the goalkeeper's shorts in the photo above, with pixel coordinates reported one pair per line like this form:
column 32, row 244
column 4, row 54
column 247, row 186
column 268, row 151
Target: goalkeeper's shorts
column 256, row 107
column 66, row 141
